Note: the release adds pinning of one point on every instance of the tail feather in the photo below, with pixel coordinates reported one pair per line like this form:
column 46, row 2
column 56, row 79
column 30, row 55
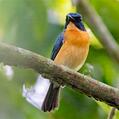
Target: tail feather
column 51, row 99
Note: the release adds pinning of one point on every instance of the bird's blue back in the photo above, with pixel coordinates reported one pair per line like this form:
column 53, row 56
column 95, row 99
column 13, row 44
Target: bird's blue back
column 58, row 44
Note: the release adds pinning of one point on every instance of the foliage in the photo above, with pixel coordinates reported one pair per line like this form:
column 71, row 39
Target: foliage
column 34, row 25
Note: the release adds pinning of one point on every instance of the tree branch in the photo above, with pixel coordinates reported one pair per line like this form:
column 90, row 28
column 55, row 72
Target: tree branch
column 112, row 113
column 98, row 27
column 11, row 55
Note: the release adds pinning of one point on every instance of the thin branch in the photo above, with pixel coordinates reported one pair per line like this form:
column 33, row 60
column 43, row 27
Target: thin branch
column 112, row 113
column 14, row 56
column 113, row 109
column 96, row 24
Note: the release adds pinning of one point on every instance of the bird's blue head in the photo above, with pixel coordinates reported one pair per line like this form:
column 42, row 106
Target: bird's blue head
column 75, row 18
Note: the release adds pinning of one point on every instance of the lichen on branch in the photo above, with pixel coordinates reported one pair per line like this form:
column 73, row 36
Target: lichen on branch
column 14, row 56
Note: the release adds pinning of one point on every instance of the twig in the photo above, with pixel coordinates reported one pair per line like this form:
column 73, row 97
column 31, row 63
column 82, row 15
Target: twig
column 98, row 27
column 14, row 56
column 112, row 113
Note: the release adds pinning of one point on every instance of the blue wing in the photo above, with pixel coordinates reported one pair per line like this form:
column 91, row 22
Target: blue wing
column 57, row 46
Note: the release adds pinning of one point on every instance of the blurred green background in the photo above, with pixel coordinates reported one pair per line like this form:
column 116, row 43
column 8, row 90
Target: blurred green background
column 34, row 25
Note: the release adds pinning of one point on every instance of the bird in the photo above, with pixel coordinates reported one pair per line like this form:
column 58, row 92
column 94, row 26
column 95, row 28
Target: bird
column 71, row 50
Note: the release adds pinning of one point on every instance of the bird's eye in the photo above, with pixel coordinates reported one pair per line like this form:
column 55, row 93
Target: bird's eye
column 78, row 19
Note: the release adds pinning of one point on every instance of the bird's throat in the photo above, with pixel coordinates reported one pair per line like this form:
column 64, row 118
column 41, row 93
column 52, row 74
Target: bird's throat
column 71, row 26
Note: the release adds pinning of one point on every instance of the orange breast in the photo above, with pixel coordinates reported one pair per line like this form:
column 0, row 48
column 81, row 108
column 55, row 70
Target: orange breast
column 75, row 49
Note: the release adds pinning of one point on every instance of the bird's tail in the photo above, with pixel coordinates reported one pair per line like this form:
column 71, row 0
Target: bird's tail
column 51, row 99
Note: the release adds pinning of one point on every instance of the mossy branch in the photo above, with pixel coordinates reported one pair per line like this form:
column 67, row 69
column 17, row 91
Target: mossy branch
column 14, row 56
